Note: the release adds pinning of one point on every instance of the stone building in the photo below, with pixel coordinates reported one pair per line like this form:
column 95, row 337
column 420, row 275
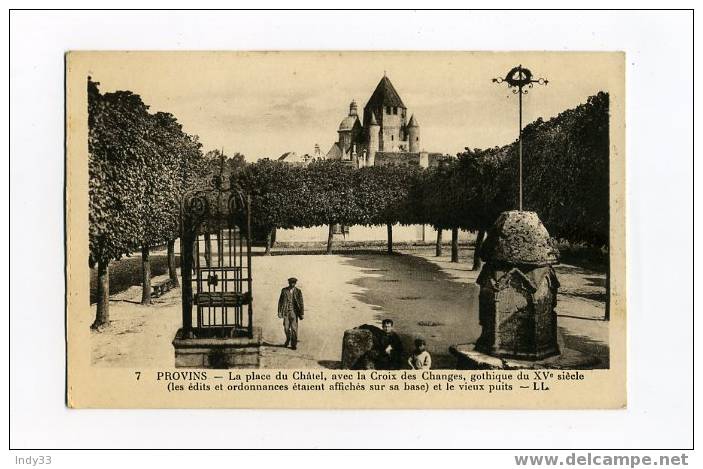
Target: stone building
column 383, row 136
column 293, row 158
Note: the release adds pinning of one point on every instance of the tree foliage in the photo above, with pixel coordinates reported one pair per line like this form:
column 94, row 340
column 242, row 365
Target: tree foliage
column 117, row 124
column 388, row 194
column 565, row 174
column 140, row 165
column 565, row 181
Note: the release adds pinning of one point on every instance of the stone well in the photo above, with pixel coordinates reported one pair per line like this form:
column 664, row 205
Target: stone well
column 518, row 292
column 218, row 352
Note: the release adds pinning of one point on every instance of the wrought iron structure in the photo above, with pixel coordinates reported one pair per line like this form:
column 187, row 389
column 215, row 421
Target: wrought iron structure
column 520, row 80
column 216, row 261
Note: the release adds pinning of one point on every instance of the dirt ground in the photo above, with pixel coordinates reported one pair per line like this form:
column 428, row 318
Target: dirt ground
column 580, row 303
column 425, row 296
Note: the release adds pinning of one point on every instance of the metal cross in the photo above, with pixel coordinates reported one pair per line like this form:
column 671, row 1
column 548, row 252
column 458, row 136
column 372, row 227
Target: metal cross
column 212, row 280
column 520, row 79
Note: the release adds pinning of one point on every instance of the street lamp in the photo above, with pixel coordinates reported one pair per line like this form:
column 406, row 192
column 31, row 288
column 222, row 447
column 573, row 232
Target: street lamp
column 520, row 80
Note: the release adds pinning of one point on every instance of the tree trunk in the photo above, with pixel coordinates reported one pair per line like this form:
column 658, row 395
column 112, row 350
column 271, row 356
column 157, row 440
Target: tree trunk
column 269, row 234
column 171, row 251
column 146, row 276
column 477, row 248
column 438, row 244
column 455, row 244
column 208, row 251
column 102, row 315
column 389, row 229
column 330, row 236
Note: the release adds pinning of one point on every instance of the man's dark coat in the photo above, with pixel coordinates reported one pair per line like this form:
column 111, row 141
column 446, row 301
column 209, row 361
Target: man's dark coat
column 298, row 306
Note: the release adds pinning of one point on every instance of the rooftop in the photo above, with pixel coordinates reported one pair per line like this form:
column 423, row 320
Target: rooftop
column 384, row 95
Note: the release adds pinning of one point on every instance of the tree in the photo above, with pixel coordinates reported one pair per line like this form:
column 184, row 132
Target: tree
column 567, row 180
column 156, row 212
column 181, row 161
column 441, row 204
column 483, row 189
column 385, row 197
column 438, row 243
column 328, row 196
column 116, row 156
column 167, row 149
column 277, row 196
column 140, row 165
column 565, row 174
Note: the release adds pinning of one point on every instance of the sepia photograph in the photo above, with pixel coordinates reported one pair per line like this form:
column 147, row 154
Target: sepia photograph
column 347, row 221
column 384, row 211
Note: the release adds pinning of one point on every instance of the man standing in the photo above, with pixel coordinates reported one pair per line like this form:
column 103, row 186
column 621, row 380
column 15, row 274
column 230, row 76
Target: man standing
column 290, row 309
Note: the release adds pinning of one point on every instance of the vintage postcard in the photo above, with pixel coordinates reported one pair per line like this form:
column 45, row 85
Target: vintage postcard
column 346, row 230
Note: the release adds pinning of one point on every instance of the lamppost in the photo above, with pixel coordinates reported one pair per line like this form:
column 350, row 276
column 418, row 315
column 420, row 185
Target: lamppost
column 520, row 80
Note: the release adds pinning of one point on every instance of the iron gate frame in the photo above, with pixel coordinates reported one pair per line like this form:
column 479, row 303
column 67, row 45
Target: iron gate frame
column 216, row 209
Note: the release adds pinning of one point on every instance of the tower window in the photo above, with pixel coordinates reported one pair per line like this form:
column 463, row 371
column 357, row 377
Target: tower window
column 417, row 139
column 395, row 111
column 388, row 109
column 392, row 137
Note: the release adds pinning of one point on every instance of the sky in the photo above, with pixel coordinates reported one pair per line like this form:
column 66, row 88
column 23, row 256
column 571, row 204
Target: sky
column 263, row 104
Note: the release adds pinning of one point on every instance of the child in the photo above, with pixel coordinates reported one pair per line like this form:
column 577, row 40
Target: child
column 420, row 358
column 391, row 356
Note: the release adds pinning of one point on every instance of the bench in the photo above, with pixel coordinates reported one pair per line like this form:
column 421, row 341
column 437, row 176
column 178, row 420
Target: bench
column 159, row 288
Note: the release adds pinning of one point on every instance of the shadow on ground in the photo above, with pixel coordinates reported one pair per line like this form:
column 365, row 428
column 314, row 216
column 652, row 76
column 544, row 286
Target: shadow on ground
column 588, row 346
column 580, row 282
column 586, row 295
column 421, row 300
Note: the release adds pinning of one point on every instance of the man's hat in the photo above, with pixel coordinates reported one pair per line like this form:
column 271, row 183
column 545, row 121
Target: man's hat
column 292, row 280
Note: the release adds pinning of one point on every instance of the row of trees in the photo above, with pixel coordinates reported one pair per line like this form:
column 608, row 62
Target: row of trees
column 325, row 192
column 565, row 175
column 140, row 165
column 458, row 194
column 565, row 178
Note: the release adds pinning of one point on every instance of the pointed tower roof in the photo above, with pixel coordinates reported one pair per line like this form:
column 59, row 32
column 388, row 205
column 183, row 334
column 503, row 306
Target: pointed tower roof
column 384, row 95
column 413, row 122
column 373, row 120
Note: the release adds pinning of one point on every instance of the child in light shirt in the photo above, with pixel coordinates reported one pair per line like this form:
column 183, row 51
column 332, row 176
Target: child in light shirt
column 420, row 359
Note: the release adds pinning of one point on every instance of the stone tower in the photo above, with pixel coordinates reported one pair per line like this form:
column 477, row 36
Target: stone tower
column 413, row 131
column 353, row 109
column 386, row 136
column 390, row 112
column 374, row 136
column 349, row 128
